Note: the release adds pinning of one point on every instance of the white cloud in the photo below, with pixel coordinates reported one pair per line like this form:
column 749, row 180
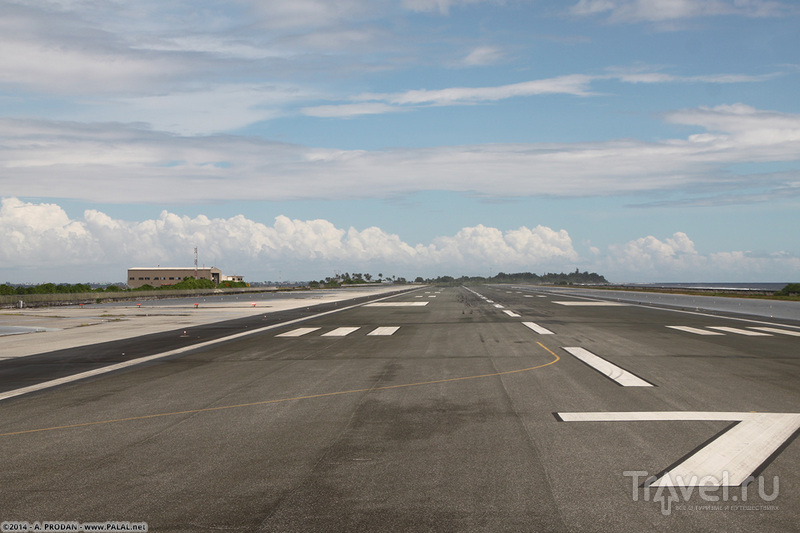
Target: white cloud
column 575, row 84
column 65, row 54
column 442, row 6
column 676, row 258
column 350, row 110
column 42, row 235
column 40, row 238
column 130, row 163
column 483, row 55
column 649, row 254
column 669, row 10
column 202, row 112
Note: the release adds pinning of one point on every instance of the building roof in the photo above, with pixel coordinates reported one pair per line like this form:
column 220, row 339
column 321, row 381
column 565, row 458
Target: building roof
column 173, row 268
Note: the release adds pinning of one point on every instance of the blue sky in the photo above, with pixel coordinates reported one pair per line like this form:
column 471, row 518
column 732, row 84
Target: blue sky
column 647, row 140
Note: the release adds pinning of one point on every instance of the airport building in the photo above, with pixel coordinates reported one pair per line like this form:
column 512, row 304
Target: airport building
column 159, row 276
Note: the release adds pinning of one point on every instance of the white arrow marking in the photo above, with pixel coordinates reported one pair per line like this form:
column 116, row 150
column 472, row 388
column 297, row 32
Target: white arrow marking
column 731, row 457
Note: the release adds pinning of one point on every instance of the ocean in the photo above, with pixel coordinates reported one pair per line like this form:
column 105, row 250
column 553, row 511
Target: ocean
column 736, row 286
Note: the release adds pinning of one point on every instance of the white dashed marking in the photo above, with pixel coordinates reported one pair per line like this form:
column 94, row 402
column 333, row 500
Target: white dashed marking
column 340, row 332
column 297, row 332
column 781, row 331
column 383, row 331
column 696, row 331
column 538, row 329
column 740, row 331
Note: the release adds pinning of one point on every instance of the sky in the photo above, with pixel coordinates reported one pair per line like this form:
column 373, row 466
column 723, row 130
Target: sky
column 645, row 140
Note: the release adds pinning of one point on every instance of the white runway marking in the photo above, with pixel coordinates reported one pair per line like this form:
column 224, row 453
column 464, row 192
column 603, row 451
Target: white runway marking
column 510, row 313
column 297, row 332
column 591, row 304
column 528, row 296
column 740, row 331
column 499, row 306
column 781, row 331
column 397, row 304
column 383, row 331
column 696, row 331
column 340, row 332
column 621, row 376
column 538, row 329
column 729, row 459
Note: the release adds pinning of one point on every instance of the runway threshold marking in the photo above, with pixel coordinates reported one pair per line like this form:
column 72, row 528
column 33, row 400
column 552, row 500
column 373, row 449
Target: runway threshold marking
column 729, row 459
column 608, row 369
column 556, row 359
column 512, row 314
column 340, row 332
column 299, row 332
column 383, row 331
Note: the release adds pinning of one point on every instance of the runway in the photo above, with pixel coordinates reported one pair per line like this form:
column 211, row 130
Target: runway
column 439, row 409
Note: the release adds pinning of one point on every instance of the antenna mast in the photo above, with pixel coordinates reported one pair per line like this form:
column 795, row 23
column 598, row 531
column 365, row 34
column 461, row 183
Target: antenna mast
column 195, row 262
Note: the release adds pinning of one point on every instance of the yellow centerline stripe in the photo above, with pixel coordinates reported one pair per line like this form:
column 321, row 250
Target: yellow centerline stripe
column 266, row 402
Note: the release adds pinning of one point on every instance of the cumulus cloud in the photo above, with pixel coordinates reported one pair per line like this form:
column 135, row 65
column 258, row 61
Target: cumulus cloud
column 651, row 254
column 676, row 258
column 43, row 235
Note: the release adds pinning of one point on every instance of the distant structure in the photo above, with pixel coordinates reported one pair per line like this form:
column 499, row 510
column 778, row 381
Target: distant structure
column 159, row 276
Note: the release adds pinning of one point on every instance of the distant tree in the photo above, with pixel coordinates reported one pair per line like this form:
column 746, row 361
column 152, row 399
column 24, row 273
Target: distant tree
column 792, row 289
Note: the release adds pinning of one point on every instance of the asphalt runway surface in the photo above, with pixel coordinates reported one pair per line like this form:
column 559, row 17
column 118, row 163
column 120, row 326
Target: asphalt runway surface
column 463, row 409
